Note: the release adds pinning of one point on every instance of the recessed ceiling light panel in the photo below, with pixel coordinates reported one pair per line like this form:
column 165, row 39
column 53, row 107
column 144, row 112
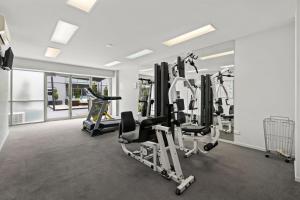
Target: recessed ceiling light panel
column 140, row 54
column 147, row 70
column 84, row 5
column 190, row 35
column 227, row 66
column 112, row 63
column 217, row 55
column 63, row 32
column 52, row 52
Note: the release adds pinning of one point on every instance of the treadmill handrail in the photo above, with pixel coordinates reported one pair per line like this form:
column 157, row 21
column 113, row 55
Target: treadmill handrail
column 90, row 92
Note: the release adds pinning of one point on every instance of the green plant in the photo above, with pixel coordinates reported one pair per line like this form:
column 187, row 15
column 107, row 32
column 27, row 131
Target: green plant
column 105, row 91
column 94, row 87
column 77, row 93
column 55, row 94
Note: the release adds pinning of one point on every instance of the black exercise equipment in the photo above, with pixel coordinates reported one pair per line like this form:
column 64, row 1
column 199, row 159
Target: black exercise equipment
column 129, row 132
column 207, row 107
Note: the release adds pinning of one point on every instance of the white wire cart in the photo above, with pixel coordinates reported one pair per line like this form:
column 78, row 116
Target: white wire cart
column 279, row 136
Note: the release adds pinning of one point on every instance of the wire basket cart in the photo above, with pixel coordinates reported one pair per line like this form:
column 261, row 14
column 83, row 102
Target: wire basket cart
column 279, row 136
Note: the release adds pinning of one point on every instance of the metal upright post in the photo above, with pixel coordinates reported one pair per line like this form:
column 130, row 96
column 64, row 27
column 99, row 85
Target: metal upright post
column 157, row 82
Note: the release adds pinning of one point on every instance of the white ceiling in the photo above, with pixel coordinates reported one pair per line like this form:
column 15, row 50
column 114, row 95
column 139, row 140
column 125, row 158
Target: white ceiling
column 134, row 25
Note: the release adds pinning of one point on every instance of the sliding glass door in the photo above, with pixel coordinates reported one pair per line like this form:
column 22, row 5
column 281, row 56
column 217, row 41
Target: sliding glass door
column 65, row 96
column 80, row 101
column 58, row 95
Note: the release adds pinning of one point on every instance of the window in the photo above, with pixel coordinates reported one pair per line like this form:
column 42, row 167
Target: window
column 27, row 97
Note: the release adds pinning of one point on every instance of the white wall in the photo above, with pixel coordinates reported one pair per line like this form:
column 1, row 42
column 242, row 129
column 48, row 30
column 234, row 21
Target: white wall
column 4, row 106
column 297, row 132
column 115, row 92
column 61, row 68
column 128, row 78
column 264, row 82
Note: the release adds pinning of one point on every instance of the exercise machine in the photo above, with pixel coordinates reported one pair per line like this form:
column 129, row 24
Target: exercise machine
column 156, row 135
column 155, row 142
column 94, row 123
column 227, row 119
column 204, row 135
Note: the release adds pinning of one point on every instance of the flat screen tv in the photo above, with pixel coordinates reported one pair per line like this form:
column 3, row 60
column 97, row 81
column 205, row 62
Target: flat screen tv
column 7, row 60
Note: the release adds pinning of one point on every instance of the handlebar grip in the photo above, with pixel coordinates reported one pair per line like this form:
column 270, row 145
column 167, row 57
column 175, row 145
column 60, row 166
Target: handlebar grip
column 226, row 100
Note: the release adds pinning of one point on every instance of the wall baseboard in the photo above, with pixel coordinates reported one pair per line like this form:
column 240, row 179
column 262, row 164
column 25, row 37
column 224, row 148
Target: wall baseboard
column 249, row 146
column 226, row 141
column 3, row 140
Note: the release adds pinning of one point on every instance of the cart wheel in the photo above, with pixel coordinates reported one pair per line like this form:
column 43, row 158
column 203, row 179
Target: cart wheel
column 287, row 160
column 267, row 156
column 177, row 192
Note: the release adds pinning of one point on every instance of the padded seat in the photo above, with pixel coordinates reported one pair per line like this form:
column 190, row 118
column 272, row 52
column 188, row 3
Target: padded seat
column 130, row 136
column 202, row 130
column 229, row 117
column 130, row 133
column 193, row 128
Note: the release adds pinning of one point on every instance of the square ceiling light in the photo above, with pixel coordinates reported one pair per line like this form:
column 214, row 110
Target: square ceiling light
column 112, row 63
column 217, row 55
column 227, row 66
column 147, row 70
column 52, row 52
column 84, row 5
column 63, row 32
column 190, row 35
column 140, row 54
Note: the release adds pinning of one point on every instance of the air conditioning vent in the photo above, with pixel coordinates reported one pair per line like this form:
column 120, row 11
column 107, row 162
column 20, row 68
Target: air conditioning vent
column 17, row 118
column 4, row 32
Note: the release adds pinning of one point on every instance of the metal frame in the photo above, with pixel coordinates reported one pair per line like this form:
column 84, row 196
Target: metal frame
column 71, row 95
column 159, row 160
column 46, row 98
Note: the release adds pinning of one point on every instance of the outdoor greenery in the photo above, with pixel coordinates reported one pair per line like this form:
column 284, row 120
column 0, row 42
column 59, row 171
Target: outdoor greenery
column 94, row 87
column 105, row 91
column 55, row 94
column 77, row 92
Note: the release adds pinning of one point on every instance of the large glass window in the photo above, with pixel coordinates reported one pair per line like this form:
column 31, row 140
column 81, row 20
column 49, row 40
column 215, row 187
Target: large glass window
column 41, row 96
column 27, row 97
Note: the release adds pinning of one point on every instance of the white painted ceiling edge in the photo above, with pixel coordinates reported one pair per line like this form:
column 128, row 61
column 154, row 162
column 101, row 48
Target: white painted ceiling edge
column 147, row 26
column 61, row 68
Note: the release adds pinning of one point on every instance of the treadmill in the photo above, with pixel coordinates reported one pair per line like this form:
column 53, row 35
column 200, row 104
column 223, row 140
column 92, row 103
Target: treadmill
column 99, row 106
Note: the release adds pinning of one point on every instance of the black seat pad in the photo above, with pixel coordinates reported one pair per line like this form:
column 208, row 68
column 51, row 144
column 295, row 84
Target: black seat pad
column 228, row 116
column 131, row 136
column 193, row 129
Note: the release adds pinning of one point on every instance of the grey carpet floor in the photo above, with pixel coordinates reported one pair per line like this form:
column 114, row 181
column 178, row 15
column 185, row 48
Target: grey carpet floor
column 56, row 161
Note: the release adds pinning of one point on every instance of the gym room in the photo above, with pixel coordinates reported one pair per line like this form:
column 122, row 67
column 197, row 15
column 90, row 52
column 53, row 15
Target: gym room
column 115, row 99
